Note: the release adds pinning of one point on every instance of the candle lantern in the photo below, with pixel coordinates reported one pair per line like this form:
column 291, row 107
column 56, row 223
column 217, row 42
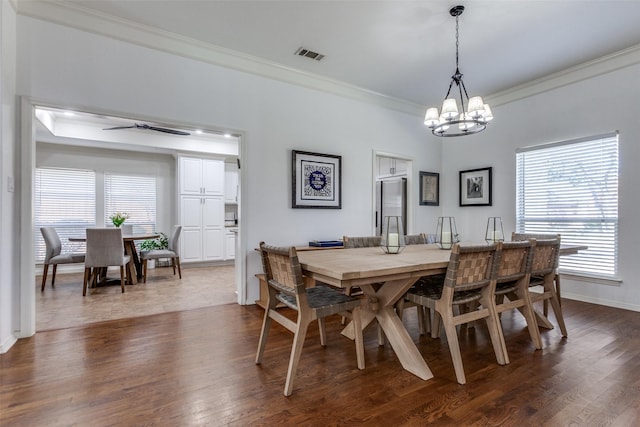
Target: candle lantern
column 392, row 239
column 494, row 231
column 446, row 232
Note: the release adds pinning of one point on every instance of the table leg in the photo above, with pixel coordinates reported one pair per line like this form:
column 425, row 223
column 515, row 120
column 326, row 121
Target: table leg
column 135, row 267
column 404, row 347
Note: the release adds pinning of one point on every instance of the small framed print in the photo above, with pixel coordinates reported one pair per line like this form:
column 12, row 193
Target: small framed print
column 429, row 188
column 475, row 187
column 316, row 180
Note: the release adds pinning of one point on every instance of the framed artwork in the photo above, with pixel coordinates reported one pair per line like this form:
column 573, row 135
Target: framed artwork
column 429, row 188
column 316, row 180
column 475, row 187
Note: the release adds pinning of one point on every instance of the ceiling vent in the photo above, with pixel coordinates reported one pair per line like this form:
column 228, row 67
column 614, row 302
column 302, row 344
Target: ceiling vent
column 309, row 54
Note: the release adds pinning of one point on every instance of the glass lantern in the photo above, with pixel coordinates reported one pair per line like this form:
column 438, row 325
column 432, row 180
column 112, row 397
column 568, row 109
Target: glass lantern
column 494, row 231
column 392, row 239
column 446, row 232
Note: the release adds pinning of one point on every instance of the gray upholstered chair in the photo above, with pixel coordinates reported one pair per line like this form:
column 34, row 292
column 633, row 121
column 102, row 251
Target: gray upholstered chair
column 54, row 255
column 105, row 248
column 171, row 252
column 286, row 285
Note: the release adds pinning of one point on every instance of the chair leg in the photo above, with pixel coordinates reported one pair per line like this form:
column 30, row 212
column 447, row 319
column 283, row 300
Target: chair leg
column 272, row 303
column 421, row 321
column 530, row 317
column 436, row 325
column 557, row 310
column 85, row 282
column 495, row 331
column 323, row 332
column 122, row 277
column 178, row 264
column 296, row 352
column 347, row 292
column 144, row 271
column 357, row 325
column 53, row 275
column 454, row 346
column 173, row 264
column 45, row 270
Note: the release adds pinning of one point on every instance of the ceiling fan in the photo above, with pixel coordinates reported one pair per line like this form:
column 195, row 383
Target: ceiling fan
column 149, row 127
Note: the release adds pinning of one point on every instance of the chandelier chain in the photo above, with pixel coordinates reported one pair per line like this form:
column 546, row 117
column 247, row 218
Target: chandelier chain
column 457, row 43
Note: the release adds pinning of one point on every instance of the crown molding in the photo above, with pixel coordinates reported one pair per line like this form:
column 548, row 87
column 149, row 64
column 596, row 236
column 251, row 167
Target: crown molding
column 91, row 21
column 107, row 25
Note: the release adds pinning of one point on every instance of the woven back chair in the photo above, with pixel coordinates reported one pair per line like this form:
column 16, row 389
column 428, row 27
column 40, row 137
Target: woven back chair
column 286, row 285
column 513, row 274
column 541, row 236
column 470, row 277
column 361, row 242
column 415, row 239
column 54, row 255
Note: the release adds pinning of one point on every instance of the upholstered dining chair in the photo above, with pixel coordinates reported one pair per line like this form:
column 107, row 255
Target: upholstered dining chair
column 540, row 236
column 470, row 277
column 286, row 285
column 54, row 256
column 105, row 248
column 172, row 252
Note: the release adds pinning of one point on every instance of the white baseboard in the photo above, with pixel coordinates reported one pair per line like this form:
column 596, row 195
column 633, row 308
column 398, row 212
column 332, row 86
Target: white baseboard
column 7, row 343
column 600, row 301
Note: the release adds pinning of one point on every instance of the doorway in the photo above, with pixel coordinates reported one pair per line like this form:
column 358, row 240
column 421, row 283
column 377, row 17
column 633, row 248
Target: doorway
column 392, row 189
column 26, row 298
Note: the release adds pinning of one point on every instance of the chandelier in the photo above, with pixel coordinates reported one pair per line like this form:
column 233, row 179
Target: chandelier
column 452, row 121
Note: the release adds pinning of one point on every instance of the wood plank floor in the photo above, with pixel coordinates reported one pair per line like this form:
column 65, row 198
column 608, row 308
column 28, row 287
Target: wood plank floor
column 197, row 368
column 63, row 306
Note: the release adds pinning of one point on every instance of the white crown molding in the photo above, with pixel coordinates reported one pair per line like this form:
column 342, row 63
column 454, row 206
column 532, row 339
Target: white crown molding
column 98, row 23
column 113, row 27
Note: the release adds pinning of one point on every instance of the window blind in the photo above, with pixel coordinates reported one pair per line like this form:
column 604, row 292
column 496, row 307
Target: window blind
column 134, row 195
column 66, row 200
column 571, row 188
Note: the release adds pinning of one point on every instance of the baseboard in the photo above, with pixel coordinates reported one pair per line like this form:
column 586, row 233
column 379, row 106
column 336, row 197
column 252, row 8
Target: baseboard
column 7, row 343
column 600, row 301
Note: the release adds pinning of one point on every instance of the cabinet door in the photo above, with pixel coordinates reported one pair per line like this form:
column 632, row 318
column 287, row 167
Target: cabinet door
column 213, row 177
column 213, row 212
column 190, row 175
column 230, row 183
column 213, row 228
column 230, row 246
column 191, row 221
column 191, row 244
column 213, row 244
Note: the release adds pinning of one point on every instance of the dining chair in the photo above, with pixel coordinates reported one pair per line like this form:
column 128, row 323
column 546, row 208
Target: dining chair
column 286, row 285
column 513, row 273
column 540, row 236
column 172, row 252
column 470, row 277
column 105, row 248
column 54, row 256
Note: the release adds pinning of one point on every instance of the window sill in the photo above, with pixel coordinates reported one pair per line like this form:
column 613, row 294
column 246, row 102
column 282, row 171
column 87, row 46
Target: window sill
column 609, row 281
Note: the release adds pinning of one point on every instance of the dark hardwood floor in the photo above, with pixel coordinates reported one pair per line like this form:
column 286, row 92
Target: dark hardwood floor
column 197, row 368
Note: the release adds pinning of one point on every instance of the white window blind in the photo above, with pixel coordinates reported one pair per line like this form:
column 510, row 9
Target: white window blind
column 66, row 200
column 134, row 195
column 571, row 188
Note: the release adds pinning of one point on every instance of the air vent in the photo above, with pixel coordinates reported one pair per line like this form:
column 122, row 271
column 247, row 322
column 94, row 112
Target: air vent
column 309, row 54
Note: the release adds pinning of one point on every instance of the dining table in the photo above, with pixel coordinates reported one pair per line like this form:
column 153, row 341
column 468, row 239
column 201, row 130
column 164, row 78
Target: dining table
column 129, row 241
column 384, row 279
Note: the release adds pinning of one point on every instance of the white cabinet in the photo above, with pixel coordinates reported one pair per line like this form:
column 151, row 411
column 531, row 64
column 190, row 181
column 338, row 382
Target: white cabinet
column 388, row 166
column 230, row 245
column 201, row 176
column 201, row 183
column 230, row 183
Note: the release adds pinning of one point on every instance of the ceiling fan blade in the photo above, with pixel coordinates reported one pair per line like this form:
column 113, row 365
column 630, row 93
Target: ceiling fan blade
column 119, row 127
column 166, row 130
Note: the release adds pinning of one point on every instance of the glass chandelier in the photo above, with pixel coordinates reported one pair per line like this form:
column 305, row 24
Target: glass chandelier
column 454, row 121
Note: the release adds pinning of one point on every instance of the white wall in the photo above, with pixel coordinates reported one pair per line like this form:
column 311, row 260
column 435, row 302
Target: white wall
column 161, row 166
column 590, row 107
column 9, row 263
column 68, row 67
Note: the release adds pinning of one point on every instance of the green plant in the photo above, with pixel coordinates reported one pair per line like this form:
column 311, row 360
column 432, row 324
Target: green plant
column 118, row 218
column 161, row 242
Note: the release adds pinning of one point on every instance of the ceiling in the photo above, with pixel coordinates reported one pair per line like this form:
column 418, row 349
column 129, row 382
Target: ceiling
column 401, row 49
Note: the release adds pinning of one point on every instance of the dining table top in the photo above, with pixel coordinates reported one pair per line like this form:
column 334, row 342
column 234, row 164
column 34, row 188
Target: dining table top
column 134, row 236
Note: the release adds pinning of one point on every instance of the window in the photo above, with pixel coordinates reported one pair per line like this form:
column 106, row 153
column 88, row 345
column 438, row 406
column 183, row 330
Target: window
column 571, row 188
column 64, row 199
column 134, row 195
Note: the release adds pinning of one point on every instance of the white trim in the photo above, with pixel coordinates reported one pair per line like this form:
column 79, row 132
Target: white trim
column 600, row 301
column 99, row 23
column 7, row 343
column 609, row 281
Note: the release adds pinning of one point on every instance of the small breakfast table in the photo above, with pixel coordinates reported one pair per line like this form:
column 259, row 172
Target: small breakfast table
column 135, row 267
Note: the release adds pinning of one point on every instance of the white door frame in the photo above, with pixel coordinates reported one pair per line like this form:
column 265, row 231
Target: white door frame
column 27, row 306
column 410, row 184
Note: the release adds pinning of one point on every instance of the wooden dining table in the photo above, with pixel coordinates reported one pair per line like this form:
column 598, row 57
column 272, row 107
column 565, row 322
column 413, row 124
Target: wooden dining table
column 384, row 279
column 129, row 241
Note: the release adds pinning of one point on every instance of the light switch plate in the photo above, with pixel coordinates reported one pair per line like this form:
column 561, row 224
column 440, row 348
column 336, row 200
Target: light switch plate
column 10, row 185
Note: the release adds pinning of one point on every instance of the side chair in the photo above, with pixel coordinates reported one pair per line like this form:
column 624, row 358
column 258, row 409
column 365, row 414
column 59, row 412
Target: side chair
column 470, row 277
column 105, row 248
column 54, row 256
column 286, row 285
column 172, row 251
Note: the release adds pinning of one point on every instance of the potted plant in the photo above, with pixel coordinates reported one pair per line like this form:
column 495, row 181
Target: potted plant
column 161, row 242
column 119, row 218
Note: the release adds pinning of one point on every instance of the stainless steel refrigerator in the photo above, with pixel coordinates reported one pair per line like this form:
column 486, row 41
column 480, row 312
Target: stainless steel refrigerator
column 391, row 200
